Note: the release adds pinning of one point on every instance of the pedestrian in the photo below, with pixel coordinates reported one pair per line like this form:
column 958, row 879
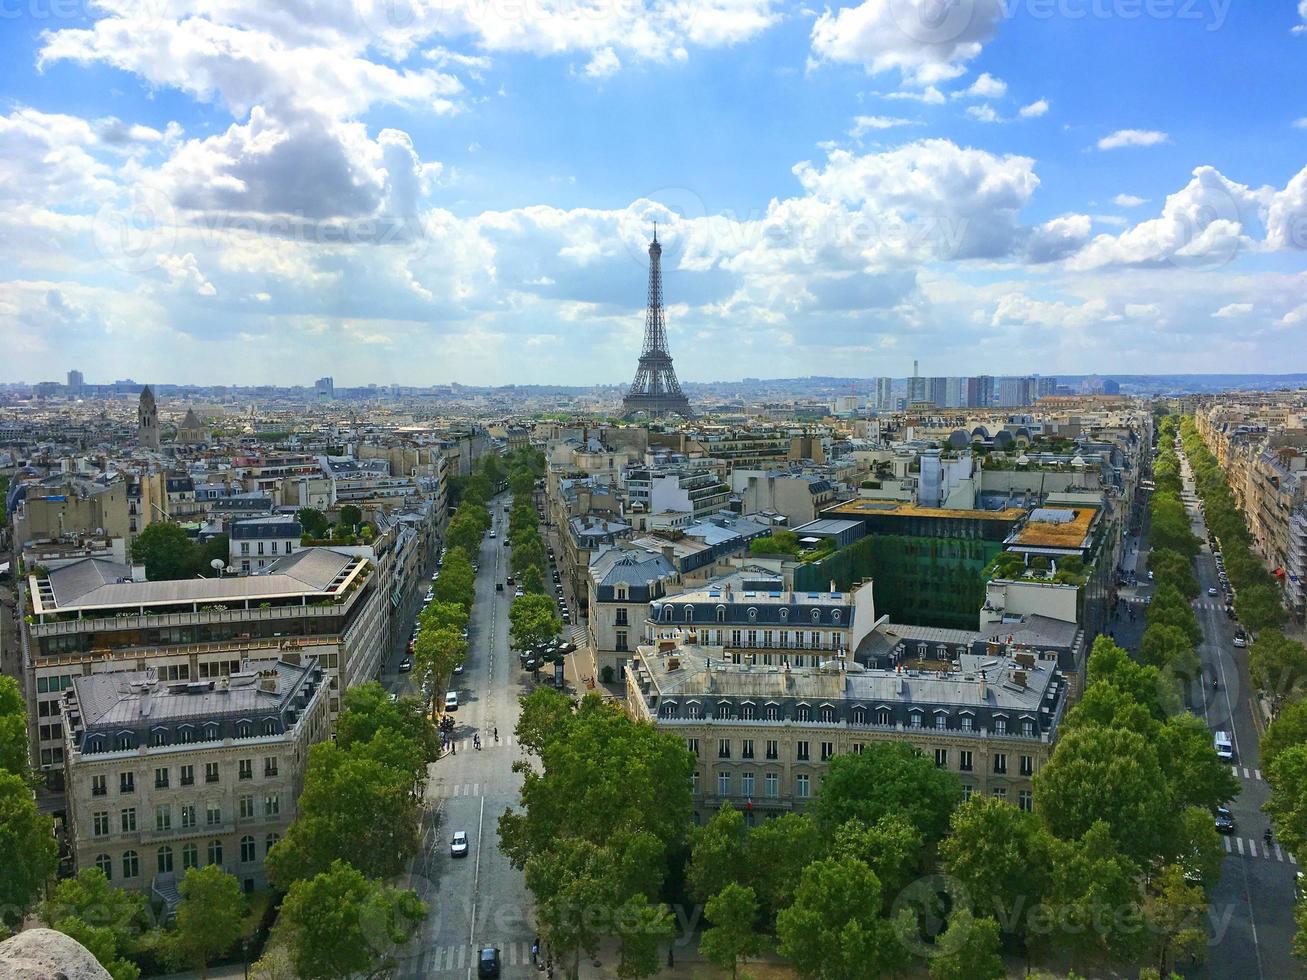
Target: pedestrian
column 496, row 734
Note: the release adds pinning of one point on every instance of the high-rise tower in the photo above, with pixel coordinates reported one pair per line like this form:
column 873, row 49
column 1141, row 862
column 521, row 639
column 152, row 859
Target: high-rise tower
column 147, row 420
column 655, row 390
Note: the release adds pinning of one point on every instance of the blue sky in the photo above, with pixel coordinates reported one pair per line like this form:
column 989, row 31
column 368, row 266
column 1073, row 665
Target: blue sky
column 422, row 192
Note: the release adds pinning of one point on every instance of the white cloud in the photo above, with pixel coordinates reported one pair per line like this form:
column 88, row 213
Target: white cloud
column 1034, row 110
column 1302, row 15
column 983, row 113
column 1132, row 137
column 909, row 36
column 1233, row 311
column 929, row 95
column 1300, row 123
column 1128, row 201
column 1056, row 239
column 603, row 63
column 1294, row 317
column 862, row 125
column 1286, row 215
column 183, row 271
column 986, row 86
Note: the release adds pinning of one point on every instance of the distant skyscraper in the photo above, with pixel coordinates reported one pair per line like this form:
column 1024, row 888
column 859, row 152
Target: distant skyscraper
column 75, row 382
column 655, row 390
column 1045, row 387
column 1015, row 392
column 884, row 394
column 980, row 391
column 147, row 420
column 937, row 391
column 956, row 393
column 324, row 389
column 916, row 386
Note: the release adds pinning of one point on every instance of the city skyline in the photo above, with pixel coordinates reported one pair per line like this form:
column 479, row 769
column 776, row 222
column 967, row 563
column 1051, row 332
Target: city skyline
column 212, row 194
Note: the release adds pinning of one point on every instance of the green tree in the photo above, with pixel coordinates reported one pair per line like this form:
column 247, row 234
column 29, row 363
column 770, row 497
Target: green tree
column 437, row 615
column 1194, row 774
column 1110, row 776
column 351, row 516
column 1259, row 607
column 1001, row 856
column 1088, row 876
column 1109, row 663
column 13, row 729
column 1278, row 664
column 887, row 777
column 968, row 949
column 1287, row 730
column 641, row 925
column 352, row 808
column 533, row 580
column 369, row 716
column 1163, row 645
column 208, row 921
column 167, row 551
column 733, row 935
column 716, row 854
column 342, row 924
column 456, row 582
column 546, row 715
column 1287, row 806
column 834, row 930
column 436, row 653
column 1176, row 913
column 465, row 532
column 532, row 619
column 93, row 902
column 29, row 853
column 101, row 943
column 776, row 852
column 891, row 847
column 313, row 521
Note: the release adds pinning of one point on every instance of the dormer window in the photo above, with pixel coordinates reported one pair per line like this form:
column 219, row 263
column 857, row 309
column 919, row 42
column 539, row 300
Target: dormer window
column 211, row 732
column 123, row 741
column 827, row 713
column 803, row 713
column 752, row 614
column 158, row 736
column 723, row 710
column 667, row 709
column 666, row 614
column 689, row 614
column 244, row 728
column 269, row 726
column 834, row 615
column 816, row 615
column 785, row 615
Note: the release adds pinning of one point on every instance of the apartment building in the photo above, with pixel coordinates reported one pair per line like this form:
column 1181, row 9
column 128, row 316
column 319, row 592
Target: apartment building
column 257, row 542
column 89, row 617
column 799, row 497
column 166, row 776
column 696, row 490
column 762, row 736
column 622, row 584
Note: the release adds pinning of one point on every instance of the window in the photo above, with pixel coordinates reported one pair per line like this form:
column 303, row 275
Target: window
column 123, row 741
column 859, row 715
column 213, row 814
column 746, row 783
column 185, row 733
column 689, row 614
column 270, row 726
column 245, row 547
column 693, row 745
column 245, row 769
column 105, row 864
column 858, row 747
column 269, row 766
column 1000, row 793
column 723, row 748
column 271, row 805
column 1027, row 727
column 772, row 750
column 190, row 857
column 772, row 712
column 827, row 751
column 802, row 713
column 748, row 712
column 247, row 807
column 211, row 772
column 882, row 716
column 771, row 784
column 215, row 852
column 161, row 778
column 1000, row 763
column 914, row 718
column 941, row 721
column 694, row 782
column 164, row 860
column 1025, row 800
column 723, row 784
column 746, row 748
column 801, row 751
column 752, row 613
column 127, row 820
column 1027, row 765
column 941, row 758
column 967, row 790
column 188, row 816
column 621, row 618
column 247, row 849
column 163, row 817
column 620, row 642
column 270, row 840
column 127, row 782
column 244, row 729
column 100, row 820
column 827, row 713
column 723, row 711
column 131, row 864
column 964, row 760
column 966, row 723
column 801, row 786
column 188, row 775
column 99, row 786
column 1000, row 726
column 158, row 737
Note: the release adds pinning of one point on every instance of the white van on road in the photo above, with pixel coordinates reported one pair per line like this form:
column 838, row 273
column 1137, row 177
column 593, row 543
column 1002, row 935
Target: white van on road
column 1224, row 747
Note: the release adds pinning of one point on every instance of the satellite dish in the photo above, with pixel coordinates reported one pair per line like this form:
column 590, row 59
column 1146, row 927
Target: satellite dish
column 217, row 565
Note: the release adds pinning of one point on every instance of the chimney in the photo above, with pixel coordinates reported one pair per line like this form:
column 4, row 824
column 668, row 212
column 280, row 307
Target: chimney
column 984, row 689
column 138, row 571
column 669, row 552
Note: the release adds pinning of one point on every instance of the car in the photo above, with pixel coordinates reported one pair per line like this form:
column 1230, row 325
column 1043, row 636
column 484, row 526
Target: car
column 429, row 596
column 458, row 668
column 1299, row 886
column 531, row 664
column 492, row 533
column 1211, row 590
column 1239, row 641
column 451, row 700
column 510, row 581
column 1224, row 821
column 458, row 844
column 434, row 576
column 405, row 665
column 499, row 586
column 518, row 594
column 394, row 698
column 1150, row 575
column 488, row 962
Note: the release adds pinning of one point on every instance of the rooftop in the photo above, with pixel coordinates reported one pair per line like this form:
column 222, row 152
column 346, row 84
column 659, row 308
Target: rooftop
column 1056, row 527
column 865, row 507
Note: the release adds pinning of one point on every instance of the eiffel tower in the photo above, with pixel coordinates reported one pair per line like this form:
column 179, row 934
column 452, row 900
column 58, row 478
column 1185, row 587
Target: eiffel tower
column 655, row 390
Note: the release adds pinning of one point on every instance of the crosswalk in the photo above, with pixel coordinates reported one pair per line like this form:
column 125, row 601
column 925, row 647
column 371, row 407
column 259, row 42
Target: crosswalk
column 1243, row 772
column 1209, row 604
column 1253, row 848
column 441, row 959
column 459, row 789
column 488, row 744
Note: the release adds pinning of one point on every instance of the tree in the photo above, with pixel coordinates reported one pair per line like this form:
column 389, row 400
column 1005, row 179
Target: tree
column 887, row 777
column 532, row 620
column 436, row 615
column 465, row 532
column 1288, row 803
column 733, row 935
column 1001, row 856
column 90, row 900
column 1287, row 730
column 354, row 808
column 1088, row 876
column 641, row 925
column 342, row 924
column 29, row 853
column 208, row 921
column 369, row 717
column 456, row 582
column 545, row 716
column 716, row 854
column 834, row 930
column 776, row 852
column 101, row 943
column 1259, row 607
column 436, row 653
column 968, row 949
column 1194, row 774
column 891, row 847
column 1108, row 776
column 313, row 521
column 1176, row 913
column 167, row 551
column 533, row 580
column 13, row 729
column 1278, row 664
column 1163, row 645
column 351, row 516
column 1109, row 663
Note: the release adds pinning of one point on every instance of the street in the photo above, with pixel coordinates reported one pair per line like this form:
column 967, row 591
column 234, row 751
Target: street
column 478, row 900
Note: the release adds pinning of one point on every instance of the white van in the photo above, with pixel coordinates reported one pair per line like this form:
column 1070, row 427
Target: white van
column 451, row 701
column 1224, row 747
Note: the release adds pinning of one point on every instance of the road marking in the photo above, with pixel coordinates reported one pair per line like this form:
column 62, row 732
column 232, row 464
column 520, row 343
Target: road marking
column 1257, row 774
column 1239, row 843
column 1252, row 847
column 1229, row 848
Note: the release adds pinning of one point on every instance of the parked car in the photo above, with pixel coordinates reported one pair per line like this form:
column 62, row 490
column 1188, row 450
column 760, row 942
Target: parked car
column 1211, row 590
column 1224, row 821
column 451, row 701
column 488, row 962
column 405, row 665
column 492, row 532
column 518, row 594
column 510, row 581
column 458, row 844
column 458, row 668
